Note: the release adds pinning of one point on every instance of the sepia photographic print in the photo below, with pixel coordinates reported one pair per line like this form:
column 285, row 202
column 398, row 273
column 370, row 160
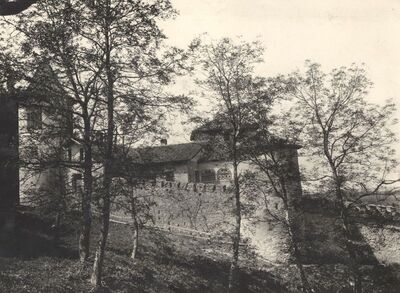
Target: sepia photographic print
column 199, row 146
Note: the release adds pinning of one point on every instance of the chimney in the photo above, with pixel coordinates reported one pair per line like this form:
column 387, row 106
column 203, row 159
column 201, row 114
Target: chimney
column 163, row 141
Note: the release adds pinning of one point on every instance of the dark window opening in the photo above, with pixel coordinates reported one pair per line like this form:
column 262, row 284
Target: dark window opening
column 69, row 154
column 76, row 183
column 34, row 119
column 81, row 154
column 169, row 175
column 207, row 176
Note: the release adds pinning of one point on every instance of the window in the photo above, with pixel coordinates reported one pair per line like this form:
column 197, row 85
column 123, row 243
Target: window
column 81, row 154
column 69, row 154
column 169, row 175
column 34, row 118
column 77, row 183
column 207, row 176
column 196, row 176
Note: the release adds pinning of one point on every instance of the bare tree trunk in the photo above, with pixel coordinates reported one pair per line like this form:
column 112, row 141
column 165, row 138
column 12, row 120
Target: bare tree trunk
column 108, row 161
column 61, row 205
column 349, row 237
column 357, row 287
column 99, row 257
column 294, row 247
column 105, row 215
column 344, row 217
column 56, row 231
column 135, row 229
column 135, row 241
column 86, row 221
column 236, row 235
column 135, row 237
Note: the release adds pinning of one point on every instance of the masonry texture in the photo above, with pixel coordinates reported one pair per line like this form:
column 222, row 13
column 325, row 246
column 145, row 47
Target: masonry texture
column 208, row 209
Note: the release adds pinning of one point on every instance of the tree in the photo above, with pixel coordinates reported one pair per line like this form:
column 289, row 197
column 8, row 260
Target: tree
column 134, row 73
column 49, row 33
column 272, row 149
column 350, row 140
column 44, row 139
column 278, row 177
column 107, row 57
column 228, row 68
column 134, row 199
column 9, row 93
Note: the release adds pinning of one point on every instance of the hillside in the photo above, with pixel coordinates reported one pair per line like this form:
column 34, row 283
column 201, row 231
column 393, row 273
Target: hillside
column 165, row 263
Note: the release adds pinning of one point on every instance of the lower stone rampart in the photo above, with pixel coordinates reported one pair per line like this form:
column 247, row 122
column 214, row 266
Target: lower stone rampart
column 208, row 208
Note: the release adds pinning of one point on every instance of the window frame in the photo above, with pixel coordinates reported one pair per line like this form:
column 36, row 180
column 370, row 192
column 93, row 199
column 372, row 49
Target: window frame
column 210, row 171
column 34, row 118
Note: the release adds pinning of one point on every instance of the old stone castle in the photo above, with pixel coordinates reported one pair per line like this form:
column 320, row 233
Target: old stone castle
column 190, row 184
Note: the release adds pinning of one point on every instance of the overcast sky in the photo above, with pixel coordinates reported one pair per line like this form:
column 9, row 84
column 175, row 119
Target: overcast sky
column 330, row 32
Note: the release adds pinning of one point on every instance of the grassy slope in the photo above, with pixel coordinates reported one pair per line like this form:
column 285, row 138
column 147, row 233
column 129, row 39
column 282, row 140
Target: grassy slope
column 165, row 263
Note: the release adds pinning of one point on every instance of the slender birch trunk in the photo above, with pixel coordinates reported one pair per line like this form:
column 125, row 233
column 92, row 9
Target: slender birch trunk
column 56, row 235
column 294, row 247
column 60, row 206
column 86, row 221
column 344, row 218
column 135, row 231
column 107, row 179
column 349, row 239
column 236, row 235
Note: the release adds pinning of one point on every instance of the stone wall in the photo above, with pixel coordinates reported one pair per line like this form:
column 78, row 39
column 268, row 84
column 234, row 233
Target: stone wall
column 383, row 240
column 208, row 208
column 376, row 227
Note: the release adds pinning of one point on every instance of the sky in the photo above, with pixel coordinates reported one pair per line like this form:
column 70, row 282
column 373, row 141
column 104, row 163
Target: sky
column 330, row 32
column 333, row 33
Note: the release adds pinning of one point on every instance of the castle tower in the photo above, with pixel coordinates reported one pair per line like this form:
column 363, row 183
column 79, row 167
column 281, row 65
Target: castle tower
column 288, row 156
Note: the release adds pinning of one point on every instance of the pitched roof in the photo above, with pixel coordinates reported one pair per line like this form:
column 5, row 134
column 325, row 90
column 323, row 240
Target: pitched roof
column 45, row 87
column 169, row 153
column 219, row 126
column 44, row 79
